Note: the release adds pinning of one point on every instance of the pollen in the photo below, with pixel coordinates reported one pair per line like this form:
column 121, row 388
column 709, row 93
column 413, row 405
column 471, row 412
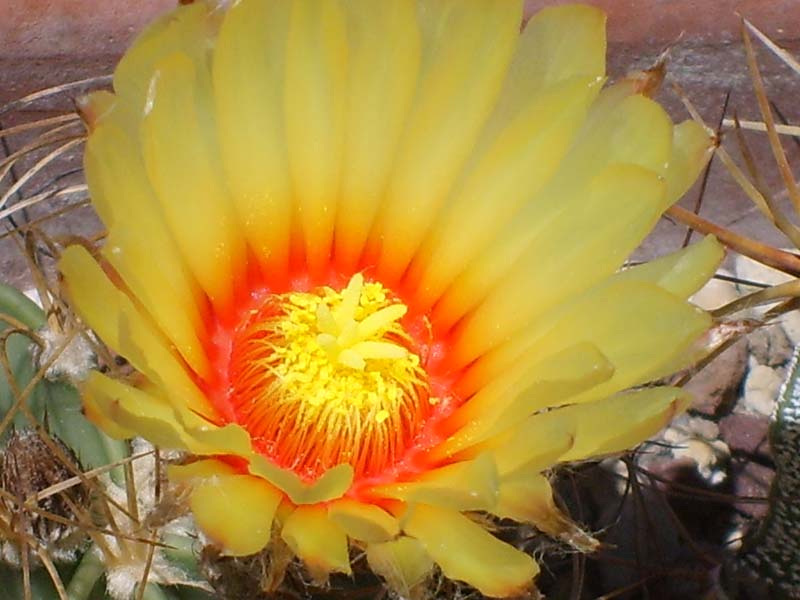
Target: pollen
column 329, row 377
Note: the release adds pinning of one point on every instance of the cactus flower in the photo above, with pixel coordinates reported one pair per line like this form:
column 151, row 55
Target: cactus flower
column 365, row 259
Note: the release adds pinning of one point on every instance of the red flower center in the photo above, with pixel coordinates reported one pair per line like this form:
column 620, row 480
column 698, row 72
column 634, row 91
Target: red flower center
column 327, row 377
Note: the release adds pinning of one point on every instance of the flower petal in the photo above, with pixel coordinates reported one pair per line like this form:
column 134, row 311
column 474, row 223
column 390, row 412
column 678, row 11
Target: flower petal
column 330, row 486
column 384, row 61
column 182, row 161
column 248, row 505
column 563, row 41
column 514, row 167
column 119, row 324
column 315, row 102
column 558, row 66
column 467, row 485
column 683, row 272
column 526, row 387
column 467, row 47
column 620, row 129
column 248, row 75
column 467, row 552
column 183, row 30
column 198, row 470
column 138, row 412
column 692, row 148
column 515, row 453
column 626, row 199
column 132, row 411
column 317, row 540
column 635, row 415
column 363, row 522
column 530, row 500
column 639, row 327
column 403, row 563
column 125, row 202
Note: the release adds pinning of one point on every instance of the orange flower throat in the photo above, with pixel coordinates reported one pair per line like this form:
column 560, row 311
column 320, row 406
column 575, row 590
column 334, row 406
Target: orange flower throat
column 323, row 378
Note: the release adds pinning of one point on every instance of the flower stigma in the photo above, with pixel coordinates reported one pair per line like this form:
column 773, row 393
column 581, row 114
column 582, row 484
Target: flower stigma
column 328, row 377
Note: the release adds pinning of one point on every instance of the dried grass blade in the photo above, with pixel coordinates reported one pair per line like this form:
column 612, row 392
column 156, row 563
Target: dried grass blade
column 776, row 293
column 759, row 201
column 787, row 58
column 52, row 91
column 757, row 190
column 17, row 129
column 790, row 130
column 766, row 113
column 767, row 255
column 67, row 191
column 41, row 164
column 53, row 572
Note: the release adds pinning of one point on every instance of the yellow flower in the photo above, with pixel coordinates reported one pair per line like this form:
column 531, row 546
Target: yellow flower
column 364, row 256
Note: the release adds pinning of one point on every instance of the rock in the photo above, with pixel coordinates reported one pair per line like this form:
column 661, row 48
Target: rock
column 720, row 382
column 696, row 439
column 746, row 433
column 791, row 326
column 751, row 481
column 761, row 390
column 770, row 346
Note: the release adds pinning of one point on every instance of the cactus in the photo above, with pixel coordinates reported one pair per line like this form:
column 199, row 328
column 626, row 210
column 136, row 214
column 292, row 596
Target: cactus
column 104, row 503
column 772, row 551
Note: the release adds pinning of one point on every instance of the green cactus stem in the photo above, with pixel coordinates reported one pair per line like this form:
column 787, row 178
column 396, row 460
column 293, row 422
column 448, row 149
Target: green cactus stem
column 772, row 552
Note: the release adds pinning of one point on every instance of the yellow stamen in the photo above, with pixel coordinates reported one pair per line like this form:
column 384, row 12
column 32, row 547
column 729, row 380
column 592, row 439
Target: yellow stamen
column 326, row 377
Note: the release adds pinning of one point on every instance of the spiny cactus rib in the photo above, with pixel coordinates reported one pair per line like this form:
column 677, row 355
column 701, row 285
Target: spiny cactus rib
column 773, row 553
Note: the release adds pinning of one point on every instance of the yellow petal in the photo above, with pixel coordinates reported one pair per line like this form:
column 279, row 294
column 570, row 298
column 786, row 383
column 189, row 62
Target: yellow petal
column 330, row 486
column 683, row 272
column 465, row 551
column 235, row 511
column 317, row 540
column 234, row 440
column 199, row 470
column 123, row 198
column 639, row 327
column 534, row 445
column 558, row 67
column 403, row 563
column 636, row 416
column 530, row 500
column 132, row 410
column 692, row 148
column 363, row 522
column 597, row 428
column 527, row 386
column 185, row 29
column 620, row 128
column 93, row 410
column 385, row 53
column 467, row 47
column 182, row 161
column 560, row 42
column 498, row 401
column 468, row 485
column 314, row 101
column 249, row 70
column 119, row 324
column 581, row 247
column 514, row 167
